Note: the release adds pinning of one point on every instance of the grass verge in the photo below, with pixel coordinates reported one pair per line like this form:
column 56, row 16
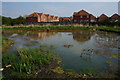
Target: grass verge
column 67, row 28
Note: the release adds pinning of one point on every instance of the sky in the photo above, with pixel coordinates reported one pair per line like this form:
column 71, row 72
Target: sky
column 61, row 9
column 60, row 0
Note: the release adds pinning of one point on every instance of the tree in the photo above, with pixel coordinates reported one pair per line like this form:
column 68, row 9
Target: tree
column 6, row 20
column 20, row 20
column 12, row 22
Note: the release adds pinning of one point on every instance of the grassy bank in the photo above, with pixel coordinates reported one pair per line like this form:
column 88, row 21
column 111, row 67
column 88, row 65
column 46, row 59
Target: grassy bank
column 110, row 29
column 6, row 43
column 67, row 28
column 36, row 63
column 27, row 62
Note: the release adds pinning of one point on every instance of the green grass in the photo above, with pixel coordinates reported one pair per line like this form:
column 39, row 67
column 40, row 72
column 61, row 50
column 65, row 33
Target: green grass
column 65, row 28
column 6, row 43
column 111, row 29
column 28, row 61
column 49, row 27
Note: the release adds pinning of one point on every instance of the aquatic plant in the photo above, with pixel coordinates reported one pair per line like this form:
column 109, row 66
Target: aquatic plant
column 52, row 47
column 43, row 45
column 88, row 71
column 29, row 60
column 58, row 70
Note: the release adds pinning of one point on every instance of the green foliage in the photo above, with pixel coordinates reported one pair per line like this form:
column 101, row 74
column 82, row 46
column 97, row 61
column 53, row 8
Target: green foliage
column 88, row 71
column 6, row 20
column 5, row 44
column 58, row 70
column 28, row 60
column 16, row 21
column 69, row 28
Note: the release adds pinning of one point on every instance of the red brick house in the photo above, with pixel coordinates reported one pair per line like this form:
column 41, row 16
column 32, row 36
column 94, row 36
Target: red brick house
column 102, row 17
column 48, row 17
column 56, row 19
column 93, row 18
column 115, row 18
column 40, row 17
column 65, row 19
column 52, row 17
column 81, row 17
column 36, row 17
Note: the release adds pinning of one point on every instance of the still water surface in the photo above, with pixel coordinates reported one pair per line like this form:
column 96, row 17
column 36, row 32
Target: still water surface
column 82, row 51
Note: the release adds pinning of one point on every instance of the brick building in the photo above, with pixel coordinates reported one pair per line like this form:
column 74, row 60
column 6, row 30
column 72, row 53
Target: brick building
column 102, row 17
column 81, row 17
column 40, row 17
column 93, row 18
column 35, row 17
column 65, row 19
column 115, row 18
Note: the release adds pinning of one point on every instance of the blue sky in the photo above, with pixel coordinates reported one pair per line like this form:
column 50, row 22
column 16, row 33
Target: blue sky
column 15, row 9
column 61, row 0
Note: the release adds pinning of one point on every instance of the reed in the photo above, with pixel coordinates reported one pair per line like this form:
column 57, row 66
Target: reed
column 29, row 60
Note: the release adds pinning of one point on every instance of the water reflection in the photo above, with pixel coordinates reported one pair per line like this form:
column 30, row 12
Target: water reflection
column 82, row 36
column 40, row 35
column 78, row 50
column 28, row 39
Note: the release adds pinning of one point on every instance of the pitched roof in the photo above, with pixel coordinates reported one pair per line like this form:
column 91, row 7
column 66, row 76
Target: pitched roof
column 91, row 16
column 65, row 18
column 75, row 13
column 47, row 15
column 81, row 12
column 52, row 16
column 56, row 16
column 103, row 16
column 35, row 14
column 115, row 16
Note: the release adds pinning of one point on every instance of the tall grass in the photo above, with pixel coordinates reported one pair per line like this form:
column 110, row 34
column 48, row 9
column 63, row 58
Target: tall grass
column 6, row 43
column 29, row 60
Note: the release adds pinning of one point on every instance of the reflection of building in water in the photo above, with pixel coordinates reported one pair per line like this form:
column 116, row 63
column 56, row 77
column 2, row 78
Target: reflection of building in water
column 40, row 35
column 107, row 44
column 82, row 36
column 107, row 40
column 33, row 34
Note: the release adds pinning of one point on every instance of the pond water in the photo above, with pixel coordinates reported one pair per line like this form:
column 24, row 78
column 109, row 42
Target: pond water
column 83, row 51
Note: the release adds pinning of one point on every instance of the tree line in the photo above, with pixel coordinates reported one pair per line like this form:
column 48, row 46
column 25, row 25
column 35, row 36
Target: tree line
column 106, row 22
column 13, row 21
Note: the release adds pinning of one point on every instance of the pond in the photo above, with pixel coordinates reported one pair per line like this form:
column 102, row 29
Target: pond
column 83, row 51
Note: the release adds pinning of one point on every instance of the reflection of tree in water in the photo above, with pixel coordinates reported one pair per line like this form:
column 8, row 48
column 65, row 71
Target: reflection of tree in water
column 40, row 35
column 10, row 32
column 82, row 36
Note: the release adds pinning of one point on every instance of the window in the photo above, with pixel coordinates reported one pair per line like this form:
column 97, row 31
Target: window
column 75, row 20
column 87, row 16
column 81, row 16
